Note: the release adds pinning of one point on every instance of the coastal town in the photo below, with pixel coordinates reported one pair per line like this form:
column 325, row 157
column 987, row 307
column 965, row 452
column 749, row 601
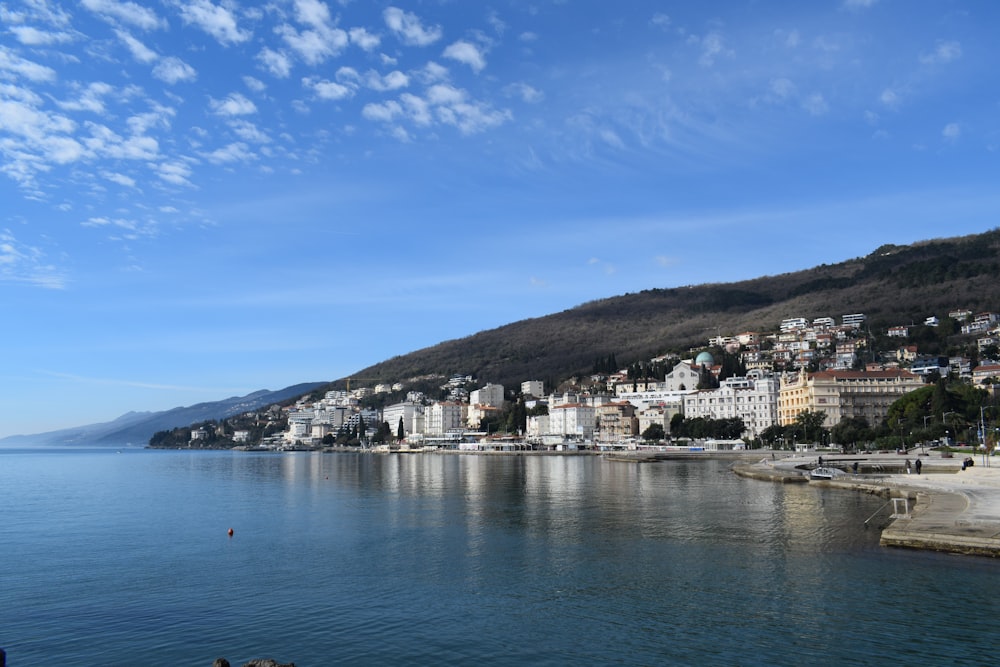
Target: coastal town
column 740, row 391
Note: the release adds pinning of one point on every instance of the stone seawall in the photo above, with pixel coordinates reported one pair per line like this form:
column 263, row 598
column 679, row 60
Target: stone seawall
column 951, row 510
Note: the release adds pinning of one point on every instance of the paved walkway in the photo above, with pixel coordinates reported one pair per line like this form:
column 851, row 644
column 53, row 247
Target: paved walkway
column 950, row 509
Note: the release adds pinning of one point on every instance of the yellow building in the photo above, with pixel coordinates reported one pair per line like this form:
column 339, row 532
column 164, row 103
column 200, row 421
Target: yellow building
column 842, row 394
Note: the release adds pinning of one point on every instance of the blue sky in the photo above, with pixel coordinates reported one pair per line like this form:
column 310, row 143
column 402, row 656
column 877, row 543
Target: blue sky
column 199, row 199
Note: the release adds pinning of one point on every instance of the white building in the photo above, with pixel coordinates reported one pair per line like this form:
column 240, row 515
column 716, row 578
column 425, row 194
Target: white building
column 572, row 420
column 753, row 399
column 854, row 320
column 684, row 376
column 793, row 324
column 534, row 388
column 491, row 394
column 444, row 417
column 412, row 415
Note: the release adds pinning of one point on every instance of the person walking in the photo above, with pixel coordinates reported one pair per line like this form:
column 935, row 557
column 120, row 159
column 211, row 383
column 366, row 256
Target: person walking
column 907, row 466
column 918, row 465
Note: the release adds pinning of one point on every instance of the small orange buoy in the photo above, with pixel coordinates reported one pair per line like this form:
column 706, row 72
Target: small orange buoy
column 230, row 532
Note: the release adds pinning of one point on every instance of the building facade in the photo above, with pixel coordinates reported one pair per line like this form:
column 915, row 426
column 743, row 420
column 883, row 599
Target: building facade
column 843, row 393
column 752, row 399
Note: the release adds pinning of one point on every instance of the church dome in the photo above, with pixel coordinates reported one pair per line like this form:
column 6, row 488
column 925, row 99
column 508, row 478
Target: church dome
column 705, row 359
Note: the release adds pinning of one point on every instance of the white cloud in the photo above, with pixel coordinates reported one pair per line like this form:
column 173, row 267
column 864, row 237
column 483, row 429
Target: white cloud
column 139, row 51
column 417, row 109
column 611, row 138
column 782, row 88
column 120, row 179
column 712, row 46
column 234, row 105
column 815, row 104
column 247, row 131
column 101, row 221
column 328, row 90
column 235, row 152
column 527, row 93
column 944, row 52
column 889, row 98
column 314, row 46
column 432, row 72
column 384, row 112
column 660, row 20
column 312, row 12
column 35, row 10
column 30, row 36
column 392, row 81
column 171, row 70
column 254, row 84
column 444, row 94
column 125, row 12
column 20, row 263
column 443, row 104
column 105, row 142
column 321, row 40
column 15, row 64
column 859, row 4
column 90, row 99
column 174, row 172
column 952, row 132
column 409, row 29
column 217, row 21
column 467, row 53
column 275, row 62
column 364, row 39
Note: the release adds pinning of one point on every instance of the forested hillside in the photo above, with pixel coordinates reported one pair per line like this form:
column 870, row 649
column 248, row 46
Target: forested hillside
column 892, row 285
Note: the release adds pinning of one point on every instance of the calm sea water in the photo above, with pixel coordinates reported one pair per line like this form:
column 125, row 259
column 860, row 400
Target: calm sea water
column 341, row 559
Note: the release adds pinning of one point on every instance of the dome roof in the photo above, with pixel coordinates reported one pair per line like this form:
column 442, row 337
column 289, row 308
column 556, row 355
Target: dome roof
column 705, row 359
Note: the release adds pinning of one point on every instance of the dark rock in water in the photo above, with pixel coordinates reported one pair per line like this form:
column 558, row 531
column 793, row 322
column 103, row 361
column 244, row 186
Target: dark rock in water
column 267, row 662
column 220, row 662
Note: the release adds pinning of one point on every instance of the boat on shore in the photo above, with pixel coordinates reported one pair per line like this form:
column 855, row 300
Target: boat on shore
column 823, row 473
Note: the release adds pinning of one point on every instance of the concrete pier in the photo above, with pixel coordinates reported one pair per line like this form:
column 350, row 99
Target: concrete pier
column 952, row 509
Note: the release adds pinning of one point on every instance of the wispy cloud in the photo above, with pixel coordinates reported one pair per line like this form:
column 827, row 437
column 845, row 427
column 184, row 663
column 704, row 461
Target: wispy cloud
column 25, row 264
column 409, row 29
column 125, row 12
column 14, row 64
column 173, row 70
column 218, row 21
column 466, row 53
column 235, row 104
column 99, row 381
column 943, row 52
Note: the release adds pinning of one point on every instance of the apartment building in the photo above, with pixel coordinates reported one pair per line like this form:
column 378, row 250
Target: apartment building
column 568, row 420
column 616, row 421
column 443, row 417
column 412, row 415
column 534, row 388
column 753, row 399
column 844, row 393
column 491, row 394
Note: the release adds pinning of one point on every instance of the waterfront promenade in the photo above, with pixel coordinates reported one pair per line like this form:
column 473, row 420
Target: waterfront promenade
column 949, row 509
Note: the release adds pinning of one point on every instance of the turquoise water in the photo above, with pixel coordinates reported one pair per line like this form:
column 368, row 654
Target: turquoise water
column 341, row 559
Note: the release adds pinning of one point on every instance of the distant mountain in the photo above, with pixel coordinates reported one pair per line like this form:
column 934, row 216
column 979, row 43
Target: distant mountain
column 893, row 285
column 137, row 427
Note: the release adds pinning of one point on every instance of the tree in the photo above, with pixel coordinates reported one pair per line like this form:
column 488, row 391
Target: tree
column 654, row 432
column 772, row 434
column 851, row 431
column 400, row 431
column 811, row 423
